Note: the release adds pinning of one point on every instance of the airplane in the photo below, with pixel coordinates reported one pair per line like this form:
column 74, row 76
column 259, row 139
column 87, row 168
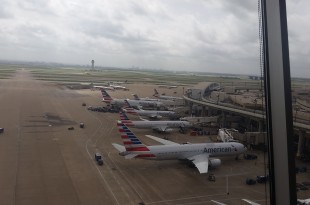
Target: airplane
column 165, row 97
column 161, row 126
column 168, row 86
column 200, row 154
column 165, row 102
column 120, row 102
column 136, row 97
column 153, row 114
column 200, row 120
column 118, row 87
column 103, row 87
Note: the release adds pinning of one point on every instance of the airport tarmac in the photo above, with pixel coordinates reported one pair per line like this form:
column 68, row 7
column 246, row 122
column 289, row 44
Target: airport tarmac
column 42, row 162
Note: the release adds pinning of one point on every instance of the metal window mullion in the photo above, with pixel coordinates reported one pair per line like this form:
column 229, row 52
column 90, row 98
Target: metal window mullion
column 278, row 103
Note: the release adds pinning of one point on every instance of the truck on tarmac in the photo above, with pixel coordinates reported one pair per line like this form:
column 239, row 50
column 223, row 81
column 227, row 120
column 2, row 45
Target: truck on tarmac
column 99, row 159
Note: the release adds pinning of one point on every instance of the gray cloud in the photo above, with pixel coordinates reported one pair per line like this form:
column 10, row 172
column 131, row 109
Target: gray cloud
column 202, row 35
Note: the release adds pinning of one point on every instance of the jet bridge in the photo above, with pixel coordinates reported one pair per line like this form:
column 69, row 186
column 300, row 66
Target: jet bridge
column 225, row 135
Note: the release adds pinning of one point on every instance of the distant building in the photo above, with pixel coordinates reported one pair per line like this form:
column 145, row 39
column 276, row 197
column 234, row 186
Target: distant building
column 202, row 90
column 92, row 64
column 255, row 78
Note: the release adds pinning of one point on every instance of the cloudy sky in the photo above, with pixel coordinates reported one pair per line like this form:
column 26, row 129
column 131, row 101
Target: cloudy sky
column 198, row 35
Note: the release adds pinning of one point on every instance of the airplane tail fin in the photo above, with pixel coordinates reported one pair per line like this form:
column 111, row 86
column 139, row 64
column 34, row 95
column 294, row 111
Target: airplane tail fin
column 124, row 118
column 106, row 96
column 128, row 108
column 120, row 148
column 130, row 140
column 136, row 96
column 156, row 94
column 127, row 105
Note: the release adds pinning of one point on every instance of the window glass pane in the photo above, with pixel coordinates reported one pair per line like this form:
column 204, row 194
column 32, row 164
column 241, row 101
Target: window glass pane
column 66, row 68
column 297, row 28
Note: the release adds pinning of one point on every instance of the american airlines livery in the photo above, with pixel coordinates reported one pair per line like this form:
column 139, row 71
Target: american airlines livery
column 153, row 114
column 136, row 97
column 120, row 102
column 103, row 87
column 161, row 126
column 165, row 97
column 200, row 154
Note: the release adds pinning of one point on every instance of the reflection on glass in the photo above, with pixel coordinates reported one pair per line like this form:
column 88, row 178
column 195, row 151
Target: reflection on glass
column 300, row 94
column 208, row 53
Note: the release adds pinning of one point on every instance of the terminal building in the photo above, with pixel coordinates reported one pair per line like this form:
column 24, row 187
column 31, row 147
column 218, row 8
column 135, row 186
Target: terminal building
column 241, row 107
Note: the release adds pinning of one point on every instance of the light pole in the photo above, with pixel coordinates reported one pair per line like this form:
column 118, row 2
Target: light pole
column 297, row 108
column 255, row 103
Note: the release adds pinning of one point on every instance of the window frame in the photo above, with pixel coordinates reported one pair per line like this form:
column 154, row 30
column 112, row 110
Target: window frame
column 278, row 99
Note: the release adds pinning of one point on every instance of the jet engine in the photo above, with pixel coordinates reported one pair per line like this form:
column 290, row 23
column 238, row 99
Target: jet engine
column 213, row 163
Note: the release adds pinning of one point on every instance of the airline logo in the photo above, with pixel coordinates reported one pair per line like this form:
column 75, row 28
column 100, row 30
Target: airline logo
column 127, row 105
column 125, row 119
column 106, row 96
column 132, row 143
column 218, row 150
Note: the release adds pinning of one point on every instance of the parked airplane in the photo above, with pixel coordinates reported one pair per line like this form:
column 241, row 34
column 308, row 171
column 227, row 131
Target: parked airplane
column 153, row 114
column 103, row 87
column 168, row 86
column 201, row 120
column 118, row 87
column 136, row 97
column 161, row 126
column 165, row 97
column 165, row 102
column 199, row 153
column 120, row 102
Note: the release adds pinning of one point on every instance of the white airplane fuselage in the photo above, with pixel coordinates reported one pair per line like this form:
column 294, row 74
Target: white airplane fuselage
column 156, row 124
column 137, row 103
column 166, row 97
column 151, row 113
column 200, row 154
column 184, row 151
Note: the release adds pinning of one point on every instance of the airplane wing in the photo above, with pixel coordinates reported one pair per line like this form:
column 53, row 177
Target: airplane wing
column 165, row 142
column 201, row 161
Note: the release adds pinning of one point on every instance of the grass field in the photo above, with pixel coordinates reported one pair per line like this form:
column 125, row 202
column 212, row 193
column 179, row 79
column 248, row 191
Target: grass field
column 77, row 75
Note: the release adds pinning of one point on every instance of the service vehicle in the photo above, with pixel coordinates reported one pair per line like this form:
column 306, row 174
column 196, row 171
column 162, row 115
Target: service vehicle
column 250, row 181
column 211, row 178
column 98, row 158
